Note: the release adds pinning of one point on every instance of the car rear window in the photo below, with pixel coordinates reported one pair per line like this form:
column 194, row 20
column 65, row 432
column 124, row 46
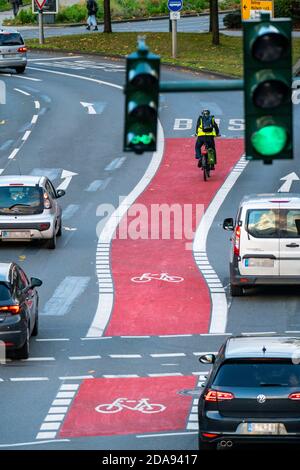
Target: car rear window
column 4, row 291
column 11, row 39
column 20, row 200
column 262, row 374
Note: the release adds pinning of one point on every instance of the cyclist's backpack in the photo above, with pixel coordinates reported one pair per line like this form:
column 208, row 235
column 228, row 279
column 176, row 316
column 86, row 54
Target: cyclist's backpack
column 207, row 123
column 211, row 156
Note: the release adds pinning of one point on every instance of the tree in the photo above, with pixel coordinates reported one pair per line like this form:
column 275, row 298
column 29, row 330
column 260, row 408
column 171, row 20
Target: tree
column 214, row 21
column 107, row 16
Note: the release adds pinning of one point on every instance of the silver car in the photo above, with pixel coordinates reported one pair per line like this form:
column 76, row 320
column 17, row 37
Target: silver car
column 13, row 52
column 29, row 209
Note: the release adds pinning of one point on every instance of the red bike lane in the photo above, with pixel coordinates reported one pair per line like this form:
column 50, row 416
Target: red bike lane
column 160, row 306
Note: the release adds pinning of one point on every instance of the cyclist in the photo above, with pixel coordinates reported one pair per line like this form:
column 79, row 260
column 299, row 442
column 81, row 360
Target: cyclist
column 206, row 131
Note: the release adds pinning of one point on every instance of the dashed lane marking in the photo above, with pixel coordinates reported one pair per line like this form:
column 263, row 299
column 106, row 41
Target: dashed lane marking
column 65, row 294
column 22, row 91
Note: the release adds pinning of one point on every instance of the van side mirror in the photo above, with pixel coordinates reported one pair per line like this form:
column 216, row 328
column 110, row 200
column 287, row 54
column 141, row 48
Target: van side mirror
column 207, row 359
column 228, row 224
column 60, row 193
column 35, row 282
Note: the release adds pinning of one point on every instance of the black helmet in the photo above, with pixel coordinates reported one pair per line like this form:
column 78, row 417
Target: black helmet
column 205, row 112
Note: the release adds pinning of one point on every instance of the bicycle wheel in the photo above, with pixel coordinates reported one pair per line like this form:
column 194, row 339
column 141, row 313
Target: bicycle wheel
column 138, row 280
column 108, row 408
column 152, row 408
column 204, row 168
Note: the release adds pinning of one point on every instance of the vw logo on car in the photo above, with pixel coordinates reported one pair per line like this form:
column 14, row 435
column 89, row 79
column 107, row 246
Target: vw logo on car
column 261, row 398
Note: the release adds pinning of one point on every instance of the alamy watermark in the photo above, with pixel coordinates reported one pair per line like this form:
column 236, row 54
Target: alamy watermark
column 153, row 222
column 296, row 92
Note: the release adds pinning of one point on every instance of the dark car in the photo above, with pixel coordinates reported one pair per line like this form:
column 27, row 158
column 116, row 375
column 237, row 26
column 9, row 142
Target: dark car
column 18, row 309
column 252, row 394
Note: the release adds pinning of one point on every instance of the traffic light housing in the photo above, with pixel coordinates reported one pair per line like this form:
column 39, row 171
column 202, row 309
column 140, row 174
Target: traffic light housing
column 142, row 100
column 268, row 89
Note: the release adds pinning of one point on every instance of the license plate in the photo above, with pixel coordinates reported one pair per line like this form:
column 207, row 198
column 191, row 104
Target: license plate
column 259, row 262
column 14, row 235
column 10, row 56
column 264, row 428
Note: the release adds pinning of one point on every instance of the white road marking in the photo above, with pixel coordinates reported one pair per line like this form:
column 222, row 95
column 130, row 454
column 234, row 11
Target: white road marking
column 37, row 105
column 28, row 78
column 288, row 181
column 89, row 106
column 34, row 118
column 46, row 435
column 50, row 426
column 42, row 436
column 95, row 185
column 167, row 374
column 69, row 211
column 122, row 376
column 169, row 355
column 167, row 434
column 69, row 394
column 22, row 91
column 69, row 387
column 33, row 359
column 105, row 303
column 50, row 418
column 115, row 164
column 57, row 410
column 28, row 379
column 125, row 356
column 13, row 154
column 65, row 294
column 174, row 336
column 83, row 358
column 218, row 296
column 26, row 135
column 76, row 377
column 62, row 401
column 52, row 339
column 56, row 58
column 67, row 177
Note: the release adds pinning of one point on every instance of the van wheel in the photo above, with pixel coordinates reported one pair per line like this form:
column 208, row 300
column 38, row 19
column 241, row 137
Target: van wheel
column 23, row 352
column 236, row 291
column 20, row 69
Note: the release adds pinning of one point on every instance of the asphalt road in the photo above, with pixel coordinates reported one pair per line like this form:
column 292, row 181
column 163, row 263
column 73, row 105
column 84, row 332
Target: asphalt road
column 66, row 135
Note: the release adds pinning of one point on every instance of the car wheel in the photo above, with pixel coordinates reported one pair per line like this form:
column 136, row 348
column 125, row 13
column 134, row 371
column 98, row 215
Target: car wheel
column 23, row 352
column 236, row 291
column 35, row 330
column 20, row 69
column 59, row 229
column 52, row 242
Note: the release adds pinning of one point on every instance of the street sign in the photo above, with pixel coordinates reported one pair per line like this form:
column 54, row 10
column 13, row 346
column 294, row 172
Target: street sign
column 174, row 15
column 175, row 5
column 251, row 9
column 48, row 6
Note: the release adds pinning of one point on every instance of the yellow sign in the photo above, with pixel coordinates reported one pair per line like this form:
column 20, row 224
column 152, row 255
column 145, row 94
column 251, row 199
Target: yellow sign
column 251, row 9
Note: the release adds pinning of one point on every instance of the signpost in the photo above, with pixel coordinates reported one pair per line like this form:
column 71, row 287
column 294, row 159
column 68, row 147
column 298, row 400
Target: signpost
column 44, row 7
column 251, row 9
column 174, row 7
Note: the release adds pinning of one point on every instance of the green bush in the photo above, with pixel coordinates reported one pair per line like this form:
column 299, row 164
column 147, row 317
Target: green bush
column 233, row 20
column 73, row 14
column 282, row 8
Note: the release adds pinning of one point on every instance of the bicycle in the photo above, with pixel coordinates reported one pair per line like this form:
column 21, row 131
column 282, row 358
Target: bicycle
column 205, row 166
column 120, row 404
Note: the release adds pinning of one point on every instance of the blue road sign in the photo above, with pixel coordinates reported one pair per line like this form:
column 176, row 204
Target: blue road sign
column 175, row 5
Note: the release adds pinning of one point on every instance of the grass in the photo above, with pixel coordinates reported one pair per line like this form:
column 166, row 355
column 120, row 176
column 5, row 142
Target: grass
column 194, row 50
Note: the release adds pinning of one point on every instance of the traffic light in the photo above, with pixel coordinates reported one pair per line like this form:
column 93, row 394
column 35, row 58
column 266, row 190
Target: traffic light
column 142, row 97
column 268, row 88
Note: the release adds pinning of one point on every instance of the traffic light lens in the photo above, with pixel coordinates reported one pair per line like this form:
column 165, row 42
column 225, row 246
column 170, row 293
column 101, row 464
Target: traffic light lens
column 270, row 47
column 270, row 94
column 269, row 140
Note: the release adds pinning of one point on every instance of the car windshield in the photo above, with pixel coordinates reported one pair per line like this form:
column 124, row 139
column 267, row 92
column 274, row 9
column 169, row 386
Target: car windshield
column 20, row 200
column 262, row 374
column 11, row 39
column 4, row 291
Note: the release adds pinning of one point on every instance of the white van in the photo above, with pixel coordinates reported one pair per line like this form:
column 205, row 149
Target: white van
column 265, row 242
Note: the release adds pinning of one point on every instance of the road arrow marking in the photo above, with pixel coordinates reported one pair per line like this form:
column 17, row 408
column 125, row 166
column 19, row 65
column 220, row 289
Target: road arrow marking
column 89, row 106
column 67, row 177
column 288, row 181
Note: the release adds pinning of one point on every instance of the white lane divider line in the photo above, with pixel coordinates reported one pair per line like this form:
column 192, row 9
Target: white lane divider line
column 28, row 379
column 78, row 358
column 192, row 423
column 26, row 135
column 13, row 153
column 22, row 91
column 37, row 105
column 115, row 164
column 57, row 411
column 34, row 118
column 65, row 294
column 106, row 295
column 218, row 296
column 28, row 78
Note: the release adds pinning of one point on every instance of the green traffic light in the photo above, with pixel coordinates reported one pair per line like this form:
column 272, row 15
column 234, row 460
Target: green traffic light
column 269, row 140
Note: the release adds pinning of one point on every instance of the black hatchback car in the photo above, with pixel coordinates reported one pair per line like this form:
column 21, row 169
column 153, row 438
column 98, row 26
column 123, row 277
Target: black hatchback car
column 18, row 309
column 252, row 394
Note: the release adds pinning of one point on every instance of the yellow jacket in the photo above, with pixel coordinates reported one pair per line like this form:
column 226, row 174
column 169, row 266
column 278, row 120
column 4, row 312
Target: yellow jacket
column 200, row 131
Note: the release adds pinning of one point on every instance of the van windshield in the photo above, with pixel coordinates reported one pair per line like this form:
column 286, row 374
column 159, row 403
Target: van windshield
column 11, row 39
column 20, row 200
column 271, row 223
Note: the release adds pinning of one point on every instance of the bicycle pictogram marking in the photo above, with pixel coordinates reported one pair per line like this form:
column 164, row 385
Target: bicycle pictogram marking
column 148, row 277
column 120, row 404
